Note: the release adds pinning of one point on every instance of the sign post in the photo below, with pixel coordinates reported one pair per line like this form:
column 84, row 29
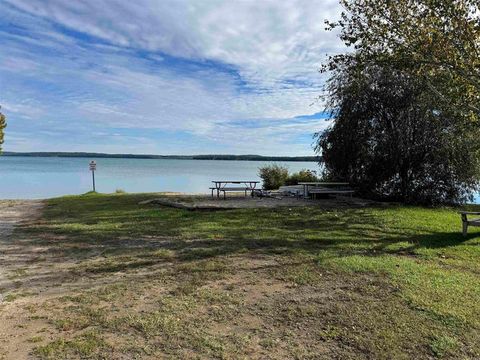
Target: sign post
column 93, row 167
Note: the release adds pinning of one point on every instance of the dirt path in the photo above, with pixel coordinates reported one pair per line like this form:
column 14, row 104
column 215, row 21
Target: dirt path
column 12, row 213
column 15, row 211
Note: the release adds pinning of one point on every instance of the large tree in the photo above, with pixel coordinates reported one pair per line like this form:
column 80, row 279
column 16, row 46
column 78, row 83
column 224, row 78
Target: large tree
column 405, row 99
column 438, row 40
column 3, row 125
column 392, row 139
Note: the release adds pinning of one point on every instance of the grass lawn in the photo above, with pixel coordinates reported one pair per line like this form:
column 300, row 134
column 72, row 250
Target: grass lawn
column 103, row 277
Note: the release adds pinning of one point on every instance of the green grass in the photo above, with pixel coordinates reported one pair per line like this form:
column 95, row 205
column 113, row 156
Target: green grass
column 86, row 345
column 398, row 281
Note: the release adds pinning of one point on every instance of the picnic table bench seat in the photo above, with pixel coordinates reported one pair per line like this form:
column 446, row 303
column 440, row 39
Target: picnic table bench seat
column 325, row 188
column 329, row 191
column 244, row 189
column 466, row 222
column 326, row 191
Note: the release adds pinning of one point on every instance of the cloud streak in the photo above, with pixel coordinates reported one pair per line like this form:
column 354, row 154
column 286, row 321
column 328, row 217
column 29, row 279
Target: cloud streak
column 202, row 68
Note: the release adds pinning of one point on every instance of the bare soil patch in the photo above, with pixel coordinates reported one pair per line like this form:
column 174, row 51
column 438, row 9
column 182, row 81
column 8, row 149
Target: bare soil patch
column 14, row 211
column 236, row 201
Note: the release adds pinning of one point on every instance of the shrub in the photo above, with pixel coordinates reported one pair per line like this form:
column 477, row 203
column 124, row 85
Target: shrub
column 273, row 176
column 301, row 176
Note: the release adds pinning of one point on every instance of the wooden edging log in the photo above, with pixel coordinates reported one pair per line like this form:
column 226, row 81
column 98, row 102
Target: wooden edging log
column 178, row 205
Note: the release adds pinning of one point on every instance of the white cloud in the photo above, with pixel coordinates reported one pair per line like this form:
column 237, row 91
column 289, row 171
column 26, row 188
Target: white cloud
column 243, row 60
column 268, row 40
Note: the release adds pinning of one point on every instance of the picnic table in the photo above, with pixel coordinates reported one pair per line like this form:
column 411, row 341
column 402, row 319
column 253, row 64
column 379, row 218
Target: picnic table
column 222, row 186
column 469, row 222
column 320, row 187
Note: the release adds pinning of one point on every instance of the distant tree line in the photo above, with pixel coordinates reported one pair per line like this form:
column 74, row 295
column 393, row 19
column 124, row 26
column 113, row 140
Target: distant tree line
column 180, row 157
column 256, row 158
column 406, row 100
column 93, row 155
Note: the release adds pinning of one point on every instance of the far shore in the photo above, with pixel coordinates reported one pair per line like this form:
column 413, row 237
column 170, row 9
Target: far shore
column 175, row 157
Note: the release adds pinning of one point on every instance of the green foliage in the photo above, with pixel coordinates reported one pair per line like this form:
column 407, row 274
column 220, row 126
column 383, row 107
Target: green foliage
column 437, row 40
column 3, row 125
column 392, row 139
column 405, row 100
column 273, row 176
column 301, row 176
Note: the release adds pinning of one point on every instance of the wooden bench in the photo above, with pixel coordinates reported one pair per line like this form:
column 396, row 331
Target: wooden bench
column 466, row 223
column 325, row 188
column 231, row 189
column 324, row 191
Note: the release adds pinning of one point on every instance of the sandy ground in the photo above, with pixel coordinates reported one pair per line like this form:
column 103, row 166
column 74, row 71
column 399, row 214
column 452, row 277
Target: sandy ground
column 15, row 211
column 12, row 213
column 234, row 201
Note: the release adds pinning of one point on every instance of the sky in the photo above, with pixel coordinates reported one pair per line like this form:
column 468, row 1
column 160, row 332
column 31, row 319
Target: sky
column 164, row 76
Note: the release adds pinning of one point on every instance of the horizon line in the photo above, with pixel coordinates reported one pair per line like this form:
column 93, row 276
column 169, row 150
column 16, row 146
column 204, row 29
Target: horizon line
column 158, row 156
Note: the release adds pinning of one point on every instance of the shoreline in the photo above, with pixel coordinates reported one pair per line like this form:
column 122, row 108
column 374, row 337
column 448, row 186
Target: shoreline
column 159, row 193
column 218, row 157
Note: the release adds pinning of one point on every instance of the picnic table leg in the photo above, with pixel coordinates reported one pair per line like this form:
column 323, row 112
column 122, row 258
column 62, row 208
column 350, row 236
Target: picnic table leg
column 465, row 224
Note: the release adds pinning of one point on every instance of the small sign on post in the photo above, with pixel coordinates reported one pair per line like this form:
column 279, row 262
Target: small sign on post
column 93, row 167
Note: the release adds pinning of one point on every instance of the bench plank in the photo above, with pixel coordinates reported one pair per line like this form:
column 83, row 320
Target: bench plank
column 231, row 189
column 327, row 191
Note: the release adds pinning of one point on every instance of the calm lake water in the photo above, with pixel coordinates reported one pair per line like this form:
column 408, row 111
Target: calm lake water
column 37, row 177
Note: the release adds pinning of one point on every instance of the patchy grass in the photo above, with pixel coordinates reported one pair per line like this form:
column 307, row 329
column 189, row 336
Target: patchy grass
column 35, row 339
column 382, row 282
column 16, row 295
column 443, row 345
column 86, row 345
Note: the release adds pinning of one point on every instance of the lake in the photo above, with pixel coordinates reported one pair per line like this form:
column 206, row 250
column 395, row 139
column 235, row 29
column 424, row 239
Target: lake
column 44, row 177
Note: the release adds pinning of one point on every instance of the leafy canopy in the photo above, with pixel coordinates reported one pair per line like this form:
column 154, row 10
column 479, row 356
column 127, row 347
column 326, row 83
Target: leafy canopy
column 392, row 139
column 438, row 40
column 406, row 100
column 3, row 125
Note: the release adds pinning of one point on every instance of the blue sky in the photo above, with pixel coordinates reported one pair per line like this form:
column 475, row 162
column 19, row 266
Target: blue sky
column 164, row 76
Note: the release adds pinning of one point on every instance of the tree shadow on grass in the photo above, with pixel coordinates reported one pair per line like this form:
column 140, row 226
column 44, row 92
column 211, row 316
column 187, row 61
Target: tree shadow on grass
column 128, row 237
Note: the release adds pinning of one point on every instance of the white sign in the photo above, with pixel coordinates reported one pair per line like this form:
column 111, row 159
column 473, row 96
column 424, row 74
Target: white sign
column 93, row 165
